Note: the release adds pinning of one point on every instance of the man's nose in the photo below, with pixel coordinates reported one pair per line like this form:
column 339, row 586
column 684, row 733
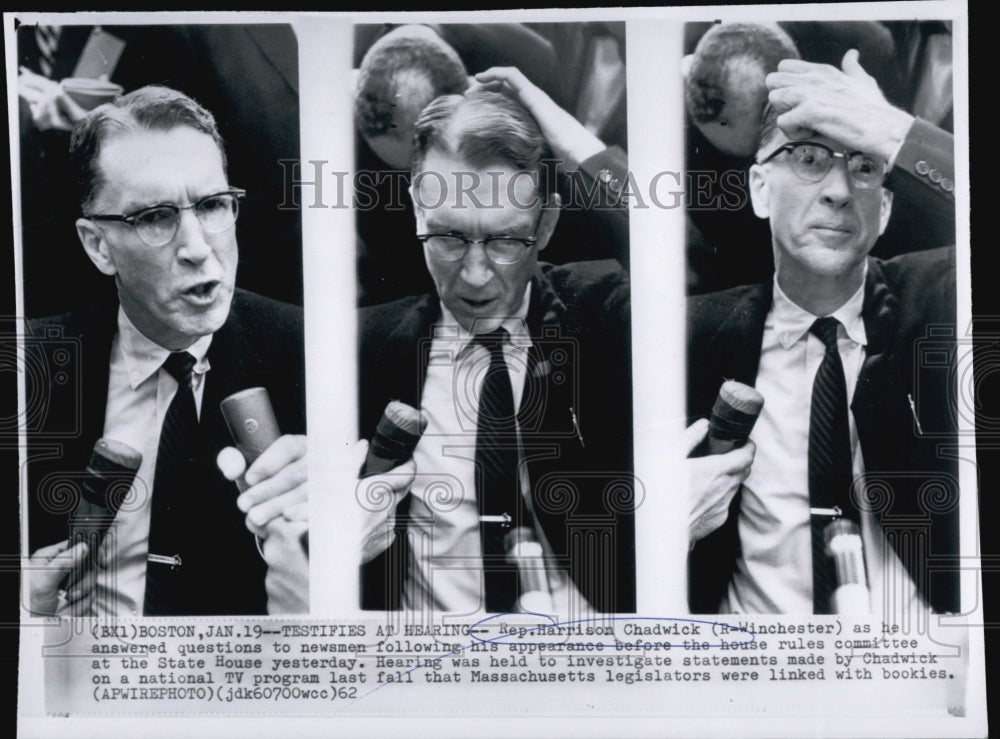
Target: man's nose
column 190, row 240
column 837, row 189
column 477, row 269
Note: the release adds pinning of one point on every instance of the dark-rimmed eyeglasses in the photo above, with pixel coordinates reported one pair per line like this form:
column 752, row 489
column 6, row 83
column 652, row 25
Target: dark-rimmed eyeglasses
column 812, row 161
column 500, row 249
column 157, row 225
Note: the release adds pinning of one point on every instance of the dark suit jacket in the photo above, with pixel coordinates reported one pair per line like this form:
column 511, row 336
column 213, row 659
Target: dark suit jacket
column 259, row 345
column 909, row 315
column 579, row 362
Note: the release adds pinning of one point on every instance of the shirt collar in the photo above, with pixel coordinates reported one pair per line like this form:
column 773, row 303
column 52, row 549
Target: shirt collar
column 516, row 325
column 143, row 356
column 791, row 322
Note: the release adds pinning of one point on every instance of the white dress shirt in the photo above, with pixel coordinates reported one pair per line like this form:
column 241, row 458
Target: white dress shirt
column 446, row 571
column 139, row 393
column 774, row 571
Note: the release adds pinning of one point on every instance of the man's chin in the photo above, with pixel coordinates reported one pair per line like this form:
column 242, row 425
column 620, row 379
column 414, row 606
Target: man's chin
column 201, row 321
column 477, row 317
column 830, row 260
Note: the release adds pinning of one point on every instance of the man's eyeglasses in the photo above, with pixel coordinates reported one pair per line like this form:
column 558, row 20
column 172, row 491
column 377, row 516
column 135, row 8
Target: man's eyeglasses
column 453, row 246
column 157, row 225
column 811, row 162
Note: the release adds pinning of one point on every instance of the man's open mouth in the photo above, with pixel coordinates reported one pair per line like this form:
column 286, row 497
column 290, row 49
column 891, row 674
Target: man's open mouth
column 202, row 292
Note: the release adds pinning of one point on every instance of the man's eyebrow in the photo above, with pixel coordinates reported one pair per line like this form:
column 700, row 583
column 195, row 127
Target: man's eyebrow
column 137, row 206
column 506, row 229
column 134, row 206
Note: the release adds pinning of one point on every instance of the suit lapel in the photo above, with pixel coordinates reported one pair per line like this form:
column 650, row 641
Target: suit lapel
column 228, row 356
column 879, row 316
column 96, row 335
column 737, row 341
column 538, row 399
column 408, row 345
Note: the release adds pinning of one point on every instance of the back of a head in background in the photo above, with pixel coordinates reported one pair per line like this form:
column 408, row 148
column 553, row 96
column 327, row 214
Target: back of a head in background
column 724, row 86
column 399, row 75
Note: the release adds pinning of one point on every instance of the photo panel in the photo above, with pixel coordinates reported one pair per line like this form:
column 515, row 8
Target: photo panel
column 517, row 254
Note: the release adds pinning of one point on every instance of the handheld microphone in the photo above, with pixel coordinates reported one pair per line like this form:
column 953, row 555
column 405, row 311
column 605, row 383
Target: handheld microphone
column 251, row 421
column 843, row 543
column 733, row 417
column 250, row 418
column 524, row 551
column 109, row 476
column 396, row 437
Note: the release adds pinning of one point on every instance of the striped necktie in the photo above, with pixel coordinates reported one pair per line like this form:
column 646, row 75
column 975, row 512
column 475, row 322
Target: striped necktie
column 501, row 505
column 830, row 471
column 47, row 39
column 177, row 473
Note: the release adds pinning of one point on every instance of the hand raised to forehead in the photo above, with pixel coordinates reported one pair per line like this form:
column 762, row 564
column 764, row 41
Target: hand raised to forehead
column 845, row 105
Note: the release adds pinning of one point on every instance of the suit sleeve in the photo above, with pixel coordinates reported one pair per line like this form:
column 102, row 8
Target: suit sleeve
column 924, row 173
column 599, row 184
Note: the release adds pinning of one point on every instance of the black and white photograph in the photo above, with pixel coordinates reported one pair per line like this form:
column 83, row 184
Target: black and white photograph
column 635, row 348
column 821, row 264
column 165, row 392
column 499, row 388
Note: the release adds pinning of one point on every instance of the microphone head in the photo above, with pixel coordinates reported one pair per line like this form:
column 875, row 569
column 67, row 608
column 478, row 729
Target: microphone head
column 406, row 417
column 840, row 527
column 251, row 421
column 740, row 397
column 396, row 436
column 733, row 416
column 522, row 541
column 112, row 455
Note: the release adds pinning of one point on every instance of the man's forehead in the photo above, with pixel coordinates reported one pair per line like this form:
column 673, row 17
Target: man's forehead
column 448, row 181
column 139, row 164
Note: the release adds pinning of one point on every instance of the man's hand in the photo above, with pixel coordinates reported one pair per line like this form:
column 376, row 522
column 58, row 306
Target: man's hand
column 51, row 107
column 712, row 481
column 570, row 141
column 844, row 105
column 378, row 496
column 48, row 568
column 277, row 481
column 287, row 580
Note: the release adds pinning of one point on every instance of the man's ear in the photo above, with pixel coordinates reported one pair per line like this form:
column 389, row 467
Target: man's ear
column 886, row 211
column 95, row 245
column 760, row 195
column 686, row 61
column 418, row 211
column 548, row 220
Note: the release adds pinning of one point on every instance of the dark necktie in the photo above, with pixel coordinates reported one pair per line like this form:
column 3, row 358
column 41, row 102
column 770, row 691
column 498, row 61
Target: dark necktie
column 830, row 472
column 501, row 506
column 47, row 40
column 177, row 461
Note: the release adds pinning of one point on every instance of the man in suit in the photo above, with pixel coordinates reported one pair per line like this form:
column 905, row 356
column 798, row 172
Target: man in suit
column 735, row 70
column 149, row 370
column 500, row 331
column 404, row 69
column 829, row 305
